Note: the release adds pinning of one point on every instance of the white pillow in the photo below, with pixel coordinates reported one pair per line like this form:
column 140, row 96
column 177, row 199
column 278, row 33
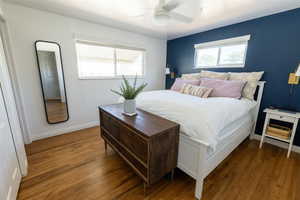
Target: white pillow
column 215, row 75
column 252, row 79
column 192, row 76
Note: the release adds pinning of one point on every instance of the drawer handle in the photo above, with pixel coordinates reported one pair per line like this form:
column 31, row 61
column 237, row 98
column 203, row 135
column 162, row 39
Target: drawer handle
column 281, row 117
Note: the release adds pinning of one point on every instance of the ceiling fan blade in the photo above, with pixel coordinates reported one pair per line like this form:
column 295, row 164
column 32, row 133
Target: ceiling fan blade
column 138, row 15
column 161, row 3
column 180, row 17
column 171, row 5
column 146, row 12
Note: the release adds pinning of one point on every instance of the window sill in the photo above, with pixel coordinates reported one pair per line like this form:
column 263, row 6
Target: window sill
column 109, row 77
column 219, row 66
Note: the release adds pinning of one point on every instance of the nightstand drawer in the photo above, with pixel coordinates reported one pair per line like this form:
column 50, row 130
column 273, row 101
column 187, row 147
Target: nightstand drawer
column 286, row 135
column 282, row 118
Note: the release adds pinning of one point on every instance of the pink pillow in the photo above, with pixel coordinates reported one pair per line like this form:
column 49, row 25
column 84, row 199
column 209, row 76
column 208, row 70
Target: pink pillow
column 224, row 88
column 179, row 82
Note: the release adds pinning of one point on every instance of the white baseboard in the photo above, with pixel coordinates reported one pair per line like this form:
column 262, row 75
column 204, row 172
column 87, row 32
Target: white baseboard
column 277, row 143
column 64, row 130
column 25, row 172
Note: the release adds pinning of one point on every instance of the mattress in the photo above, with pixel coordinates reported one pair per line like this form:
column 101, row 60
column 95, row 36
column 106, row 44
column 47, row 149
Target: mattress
column 230, row 132
column 203, row 119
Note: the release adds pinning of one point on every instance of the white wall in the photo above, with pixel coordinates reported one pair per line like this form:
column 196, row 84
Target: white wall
column 1, row 8
column 27, row 25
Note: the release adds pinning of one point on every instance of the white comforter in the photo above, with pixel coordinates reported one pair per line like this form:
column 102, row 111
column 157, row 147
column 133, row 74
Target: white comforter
column 200, row 118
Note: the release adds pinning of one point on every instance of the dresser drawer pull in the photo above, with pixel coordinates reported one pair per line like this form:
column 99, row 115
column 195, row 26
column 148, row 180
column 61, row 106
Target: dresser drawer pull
column 282, row 118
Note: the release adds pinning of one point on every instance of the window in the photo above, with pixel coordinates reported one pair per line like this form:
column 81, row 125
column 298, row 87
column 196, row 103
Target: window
column 100, row 61
column 223, row 53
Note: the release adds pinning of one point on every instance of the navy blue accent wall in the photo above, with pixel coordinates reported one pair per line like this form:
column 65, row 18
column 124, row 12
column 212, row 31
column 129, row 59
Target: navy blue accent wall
column 274, row 47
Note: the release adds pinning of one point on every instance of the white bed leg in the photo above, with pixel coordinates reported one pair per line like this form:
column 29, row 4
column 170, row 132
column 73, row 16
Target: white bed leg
column 199, row 189
column 200, row 176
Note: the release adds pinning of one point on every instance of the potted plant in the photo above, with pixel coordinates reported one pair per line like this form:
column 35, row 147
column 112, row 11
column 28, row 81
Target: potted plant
column 129, row 92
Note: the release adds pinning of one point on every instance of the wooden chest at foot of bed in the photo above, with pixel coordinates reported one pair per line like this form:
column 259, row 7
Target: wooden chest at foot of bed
column 148, row 143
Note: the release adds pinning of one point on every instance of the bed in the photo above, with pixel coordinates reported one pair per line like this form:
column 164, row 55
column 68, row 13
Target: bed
column 210, row 128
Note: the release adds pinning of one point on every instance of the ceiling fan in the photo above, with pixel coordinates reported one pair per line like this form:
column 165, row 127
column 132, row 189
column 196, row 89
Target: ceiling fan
column 165, row 11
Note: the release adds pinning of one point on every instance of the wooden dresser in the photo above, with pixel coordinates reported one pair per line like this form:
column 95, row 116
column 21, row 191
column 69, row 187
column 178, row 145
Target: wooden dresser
column 148, row 143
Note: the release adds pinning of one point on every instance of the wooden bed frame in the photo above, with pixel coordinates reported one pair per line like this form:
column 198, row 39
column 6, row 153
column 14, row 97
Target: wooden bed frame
column 193, row 157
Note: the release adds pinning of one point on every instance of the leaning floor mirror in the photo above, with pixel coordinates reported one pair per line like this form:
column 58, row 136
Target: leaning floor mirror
column 50, row 66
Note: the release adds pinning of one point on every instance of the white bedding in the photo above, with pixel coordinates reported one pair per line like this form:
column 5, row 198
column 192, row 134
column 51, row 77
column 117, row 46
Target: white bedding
column 244, row 122
column 202, row 119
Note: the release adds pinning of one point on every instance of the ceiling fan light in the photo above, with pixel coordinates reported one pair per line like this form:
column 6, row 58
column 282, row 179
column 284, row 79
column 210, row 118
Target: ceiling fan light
column 161, row 19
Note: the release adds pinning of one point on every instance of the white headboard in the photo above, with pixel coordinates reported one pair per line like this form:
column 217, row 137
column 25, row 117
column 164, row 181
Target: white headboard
column 260, row 85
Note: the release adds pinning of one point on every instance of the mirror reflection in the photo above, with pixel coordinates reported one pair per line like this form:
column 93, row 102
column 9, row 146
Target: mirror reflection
column 52, row 80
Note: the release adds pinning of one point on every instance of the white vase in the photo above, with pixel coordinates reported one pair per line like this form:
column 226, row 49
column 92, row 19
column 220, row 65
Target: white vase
column 129, row 106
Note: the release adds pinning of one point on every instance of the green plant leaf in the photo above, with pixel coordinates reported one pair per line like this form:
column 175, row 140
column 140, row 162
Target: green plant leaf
column 135, row 80
column 139, row 89
column 128, row 91
column 116, row 92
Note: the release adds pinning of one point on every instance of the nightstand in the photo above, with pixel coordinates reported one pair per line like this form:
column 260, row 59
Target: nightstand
column 280, row 115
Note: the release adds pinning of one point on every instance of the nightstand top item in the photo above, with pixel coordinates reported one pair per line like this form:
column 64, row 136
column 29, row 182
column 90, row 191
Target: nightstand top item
column 281, row 112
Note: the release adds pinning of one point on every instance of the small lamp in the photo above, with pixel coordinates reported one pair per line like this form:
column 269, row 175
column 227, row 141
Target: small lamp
column 294, row 77
column 294, row 80
column 298, row 70
column 168, row 71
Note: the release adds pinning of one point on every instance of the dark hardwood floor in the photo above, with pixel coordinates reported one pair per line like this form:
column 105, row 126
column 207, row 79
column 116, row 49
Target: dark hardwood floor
column 74, row 167
column 56, row 111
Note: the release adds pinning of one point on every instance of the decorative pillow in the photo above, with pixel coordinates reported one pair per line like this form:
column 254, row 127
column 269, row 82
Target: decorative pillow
column 177, row 85
column 194, row 90
column 252, row 79
column 193, row 76
column 224, row 88
column 215, row 75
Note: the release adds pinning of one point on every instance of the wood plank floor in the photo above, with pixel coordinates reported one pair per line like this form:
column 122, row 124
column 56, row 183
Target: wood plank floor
column 56, row 111
column 74, row 167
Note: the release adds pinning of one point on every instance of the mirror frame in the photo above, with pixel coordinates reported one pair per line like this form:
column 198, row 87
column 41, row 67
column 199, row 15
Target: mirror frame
column 41, row 81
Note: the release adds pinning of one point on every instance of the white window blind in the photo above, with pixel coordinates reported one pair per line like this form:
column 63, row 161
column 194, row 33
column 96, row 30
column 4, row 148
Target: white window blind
column 222, row 53
column 101, row 61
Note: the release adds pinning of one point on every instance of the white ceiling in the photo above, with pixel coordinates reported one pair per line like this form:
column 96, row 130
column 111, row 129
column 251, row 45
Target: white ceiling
column 208, row 14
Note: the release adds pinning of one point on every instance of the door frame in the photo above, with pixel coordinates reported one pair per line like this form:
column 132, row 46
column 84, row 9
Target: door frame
column 12, row 100
column 13, row 175
column 4, row 32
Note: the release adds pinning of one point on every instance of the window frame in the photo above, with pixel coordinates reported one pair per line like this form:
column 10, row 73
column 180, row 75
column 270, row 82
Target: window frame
column 220, row 44
column 115, row 47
